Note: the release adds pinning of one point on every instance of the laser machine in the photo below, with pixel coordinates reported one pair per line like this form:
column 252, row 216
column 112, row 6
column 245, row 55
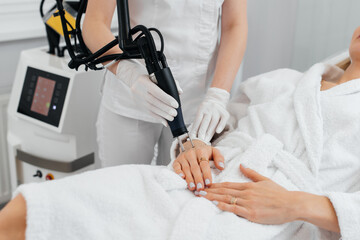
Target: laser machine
column 51, row 117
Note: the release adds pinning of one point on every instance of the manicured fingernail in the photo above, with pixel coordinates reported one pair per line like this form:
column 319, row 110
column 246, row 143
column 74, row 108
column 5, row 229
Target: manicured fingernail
column 181, row 175
column 215, row 202
column 221, row 164
column 202, row 193
column 199, row 186
column 207, row 181
column 191, row 185
column 196, row 193
column 244, row 165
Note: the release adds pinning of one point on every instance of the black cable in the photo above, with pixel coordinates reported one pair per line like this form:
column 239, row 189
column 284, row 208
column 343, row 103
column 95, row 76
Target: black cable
column 41, row 8
column 83, row 5
column 103, row 50
column 66, row 32
column 76, row 61
column 160, row 36
column 150, row 40
column 138, row 37
column 91, row 60
column 72, row 33
column 111, row 57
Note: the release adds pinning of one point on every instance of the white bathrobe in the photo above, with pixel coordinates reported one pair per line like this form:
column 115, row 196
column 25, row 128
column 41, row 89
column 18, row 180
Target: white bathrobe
column 282, row 126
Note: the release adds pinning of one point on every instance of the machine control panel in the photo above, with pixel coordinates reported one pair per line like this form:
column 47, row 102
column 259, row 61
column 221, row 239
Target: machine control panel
column 43, row 96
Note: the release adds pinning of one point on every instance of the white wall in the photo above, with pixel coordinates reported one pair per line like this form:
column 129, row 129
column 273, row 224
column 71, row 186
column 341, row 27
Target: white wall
column 324, row 27
column 271, row 35
column 297, row 33
column 9, row 56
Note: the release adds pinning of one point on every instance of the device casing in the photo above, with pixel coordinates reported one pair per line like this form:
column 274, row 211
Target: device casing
column 59, row 149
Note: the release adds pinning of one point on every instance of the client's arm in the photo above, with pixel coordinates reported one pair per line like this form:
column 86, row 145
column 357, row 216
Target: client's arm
column 13, row 220
column 263, row 201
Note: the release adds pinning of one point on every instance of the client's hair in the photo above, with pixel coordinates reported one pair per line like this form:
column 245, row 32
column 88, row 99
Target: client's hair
column 344, row 64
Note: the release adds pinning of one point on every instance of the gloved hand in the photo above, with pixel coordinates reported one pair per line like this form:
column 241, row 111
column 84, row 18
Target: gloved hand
column 161, row 105
column 212, row 115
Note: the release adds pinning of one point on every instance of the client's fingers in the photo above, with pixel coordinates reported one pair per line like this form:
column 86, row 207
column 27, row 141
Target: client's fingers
column 226, row 198
column 233, row 185
column 218, row 159
column 203, row 158
column 195, row 168
column 205, row 168
column 236, row 209
column 186, row 170
column 228, row 192
column 177, row 169
column 224, row 202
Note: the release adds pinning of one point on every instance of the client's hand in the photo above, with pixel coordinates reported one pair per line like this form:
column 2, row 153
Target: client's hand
column 193, row 164
column 262, row 201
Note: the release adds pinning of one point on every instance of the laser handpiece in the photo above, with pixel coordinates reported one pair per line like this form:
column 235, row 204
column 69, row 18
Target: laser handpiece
column 165, row 80
column 181, row 144
column 155, row 62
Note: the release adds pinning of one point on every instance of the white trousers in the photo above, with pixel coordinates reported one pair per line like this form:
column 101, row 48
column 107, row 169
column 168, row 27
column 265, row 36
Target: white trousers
column 123, row 140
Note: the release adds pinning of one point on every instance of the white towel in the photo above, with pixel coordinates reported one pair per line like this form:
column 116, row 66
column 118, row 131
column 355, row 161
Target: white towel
column 146, row 202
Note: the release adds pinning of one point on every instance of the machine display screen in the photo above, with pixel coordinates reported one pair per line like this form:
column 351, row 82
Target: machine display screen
column 44, row 91
column 43, row 96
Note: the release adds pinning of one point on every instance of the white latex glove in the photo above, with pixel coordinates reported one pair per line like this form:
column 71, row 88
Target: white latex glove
column 212, row 115
column 160, row 104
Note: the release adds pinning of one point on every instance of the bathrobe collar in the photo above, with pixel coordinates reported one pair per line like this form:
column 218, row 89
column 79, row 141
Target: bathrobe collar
column 308, row 110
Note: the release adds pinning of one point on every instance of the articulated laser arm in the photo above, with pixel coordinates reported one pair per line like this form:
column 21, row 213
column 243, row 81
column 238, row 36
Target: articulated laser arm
column 143, row 46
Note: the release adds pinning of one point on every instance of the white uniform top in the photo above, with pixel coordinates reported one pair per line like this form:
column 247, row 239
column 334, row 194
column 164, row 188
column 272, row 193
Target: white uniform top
column 190, row 29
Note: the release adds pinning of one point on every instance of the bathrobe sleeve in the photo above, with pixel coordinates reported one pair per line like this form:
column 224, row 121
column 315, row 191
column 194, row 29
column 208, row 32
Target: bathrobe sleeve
column 347, row 208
